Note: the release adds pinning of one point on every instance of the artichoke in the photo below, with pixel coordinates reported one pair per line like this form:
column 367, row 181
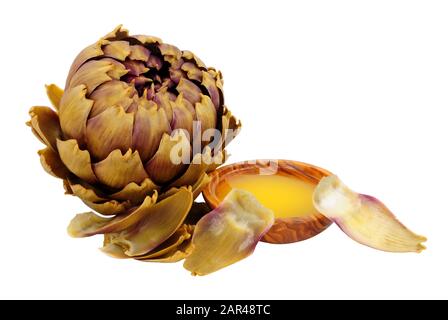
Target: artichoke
column 133, row 135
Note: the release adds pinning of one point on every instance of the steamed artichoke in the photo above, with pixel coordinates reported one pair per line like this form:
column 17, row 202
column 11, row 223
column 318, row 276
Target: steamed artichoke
column 133, row 135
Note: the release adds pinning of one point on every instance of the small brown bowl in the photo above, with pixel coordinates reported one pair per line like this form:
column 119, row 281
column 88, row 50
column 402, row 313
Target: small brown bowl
column 284, row 230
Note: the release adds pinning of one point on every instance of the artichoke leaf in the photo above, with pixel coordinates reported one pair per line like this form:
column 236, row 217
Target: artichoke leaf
column 182, row 115
column 210, row 84
column 145, row 39
column 108, row 131
column 229, row 233
column 180, row 253
column 74, row 110
column 195, row 170
column 85, row 191
column 190, row 91
column 111, row 93
column 188, row 55
column 197, row 187
column 110, row 207
column 96, row 72
column 95, row 50
column 52, row 164
column 364, row 218
column 139, row 53
column 76, row 160
column 111, row 249
column 207, row 116
column 119, row 50
column 135, row 192
column 160, row 222
column 92, row 51
column 88, row 224
column 54, row 93
column 200, row 185
column 45, row 124
column 171, row 245
column 169, row 160
column 171, row 53
column 149, row 126
column 193, row 72
column 118, row 170
column 230, row 128
column 101, row 204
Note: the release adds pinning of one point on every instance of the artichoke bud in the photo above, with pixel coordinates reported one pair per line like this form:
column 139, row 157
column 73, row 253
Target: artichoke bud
column 134, row 134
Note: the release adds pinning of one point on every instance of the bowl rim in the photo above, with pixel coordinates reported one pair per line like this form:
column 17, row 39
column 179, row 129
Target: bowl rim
column 287, row 167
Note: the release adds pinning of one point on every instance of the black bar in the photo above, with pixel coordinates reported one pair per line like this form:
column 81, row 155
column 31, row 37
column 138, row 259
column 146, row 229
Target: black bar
column 225, row 309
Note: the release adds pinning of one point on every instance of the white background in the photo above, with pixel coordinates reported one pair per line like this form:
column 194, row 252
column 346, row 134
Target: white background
column 357, row 87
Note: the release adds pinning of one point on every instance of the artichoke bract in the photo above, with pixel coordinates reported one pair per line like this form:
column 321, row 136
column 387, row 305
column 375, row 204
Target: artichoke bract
column 133, row 135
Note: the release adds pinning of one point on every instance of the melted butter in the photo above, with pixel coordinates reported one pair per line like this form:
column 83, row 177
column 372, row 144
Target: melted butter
column 287, row 196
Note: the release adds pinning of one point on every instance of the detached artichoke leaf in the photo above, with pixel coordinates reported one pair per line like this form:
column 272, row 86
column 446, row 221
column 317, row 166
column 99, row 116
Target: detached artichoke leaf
column 229, row 233
column 88, row 224
column 158, row 224
column 54, row 93
column 364, row 218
